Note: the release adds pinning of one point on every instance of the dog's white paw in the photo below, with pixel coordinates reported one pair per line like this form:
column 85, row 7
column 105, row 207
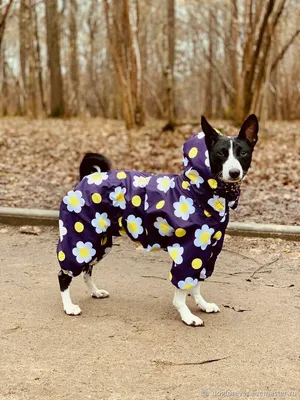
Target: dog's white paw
column 209, row 308
column 100, row 294
column 193, row 320
column 73, row 309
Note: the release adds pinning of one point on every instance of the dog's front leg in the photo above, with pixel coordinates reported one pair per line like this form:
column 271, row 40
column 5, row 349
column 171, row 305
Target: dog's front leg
column 64, row 284
column 206, row 307
column 179, row 302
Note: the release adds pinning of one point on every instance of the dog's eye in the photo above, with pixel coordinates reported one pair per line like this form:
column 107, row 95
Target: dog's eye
column 243, row 153
column 221, row 153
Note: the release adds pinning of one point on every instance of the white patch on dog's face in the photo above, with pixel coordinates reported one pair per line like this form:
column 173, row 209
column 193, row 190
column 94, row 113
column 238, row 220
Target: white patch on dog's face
column 232, row 170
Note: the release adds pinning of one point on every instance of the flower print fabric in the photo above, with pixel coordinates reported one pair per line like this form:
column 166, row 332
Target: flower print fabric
column 184, row 214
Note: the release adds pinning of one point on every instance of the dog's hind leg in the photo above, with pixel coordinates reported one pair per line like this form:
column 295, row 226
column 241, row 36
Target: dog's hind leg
column 64, row 284
column 95, row 292
column 204, row 306
column 179, row 302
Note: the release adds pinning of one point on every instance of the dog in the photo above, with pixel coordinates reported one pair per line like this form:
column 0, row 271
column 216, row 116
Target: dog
column 185, row 214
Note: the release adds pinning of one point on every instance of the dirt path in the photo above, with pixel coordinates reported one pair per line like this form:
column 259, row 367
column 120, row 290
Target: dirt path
column 133, row 345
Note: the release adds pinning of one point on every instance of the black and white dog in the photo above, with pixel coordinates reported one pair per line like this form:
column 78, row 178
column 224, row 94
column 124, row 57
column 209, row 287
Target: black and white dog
column 138, row 203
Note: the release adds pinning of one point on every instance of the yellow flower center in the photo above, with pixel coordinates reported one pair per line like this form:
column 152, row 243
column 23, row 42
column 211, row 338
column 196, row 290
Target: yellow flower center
column 102, row 223
column 74, row 201
column 192, row 176
column 174, row 254
column 219, row 206
column 187, row 286
column 164, row 227
column 120, row 197
column 184, row 207
column 84, row 252
column 97, row 176
column 132, row 227
column 204, row 237
column 165, row 183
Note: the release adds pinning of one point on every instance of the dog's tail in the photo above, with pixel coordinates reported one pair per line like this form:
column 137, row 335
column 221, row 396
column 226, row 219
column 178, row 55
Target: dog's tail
column 93, row 162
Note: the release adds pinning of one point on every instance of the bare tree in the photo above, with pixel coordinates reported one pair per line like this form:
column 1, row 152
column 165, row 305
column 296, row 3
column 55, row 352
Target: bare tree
column 124, row 56
column 3, row 17
column 169, row 73
column 53, row 51
column 73, row 61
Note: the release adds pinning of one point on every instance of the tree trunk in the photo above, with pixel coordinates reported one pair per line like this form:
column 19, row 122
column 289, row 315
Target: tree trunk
column 171, row 62
column 121, row 44
column 210, row 72
column 38, row 61
column 53, row 51
column 23, row 39
column 73, row 61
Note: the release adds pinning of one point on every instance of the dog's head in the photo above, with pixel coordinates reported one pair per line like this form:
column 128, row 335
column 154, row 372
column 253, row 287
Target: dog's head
column 230, row 157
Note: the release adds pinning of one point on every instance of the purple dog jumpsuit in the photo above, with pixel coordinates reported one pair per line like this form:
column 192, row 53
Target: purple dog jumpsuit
column 185, row 214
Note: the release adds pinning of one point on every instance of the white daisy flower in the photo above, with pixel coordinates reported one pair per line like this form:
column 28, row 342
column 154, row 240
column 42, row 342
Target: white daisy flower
column 154, row 247
column 118, row 197
column 203, row 273
column 164, row 229
column 203, row 236
column 184, row 208
column 218, row 203
column 97, row 178
column 146, row 204
column 207, row 162
column 74, row 201
column 141, row 181
column 62, row 230
column 185, row 161
column 165, row 183
column 134, row 226
column 101, row 222
column 194, row 177
column 200, row 135
column 83, row 252
column 175, row 253
column 188, row 283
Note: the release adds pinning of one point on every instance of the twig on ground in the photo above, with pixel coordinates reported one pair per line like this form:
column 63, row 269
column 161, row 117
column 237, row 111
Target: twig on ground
column 237, row 309
column 264, row 265
column 241, row 255
column 161, row 362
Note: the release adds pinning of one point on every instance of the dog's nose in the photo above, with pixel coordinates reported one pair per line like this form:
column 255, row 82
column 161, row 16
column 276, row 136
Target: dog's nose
column 234, row 173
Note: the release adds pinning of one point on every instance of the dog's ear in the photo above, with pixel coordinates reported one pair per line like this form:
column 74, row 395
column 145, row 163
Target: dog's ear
column 249, row 130
column 211, row 135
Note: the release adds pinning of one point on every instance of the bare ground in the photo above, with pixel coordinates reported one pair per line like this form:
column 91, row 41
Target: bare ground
column 133, row 345
column 40, row 158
